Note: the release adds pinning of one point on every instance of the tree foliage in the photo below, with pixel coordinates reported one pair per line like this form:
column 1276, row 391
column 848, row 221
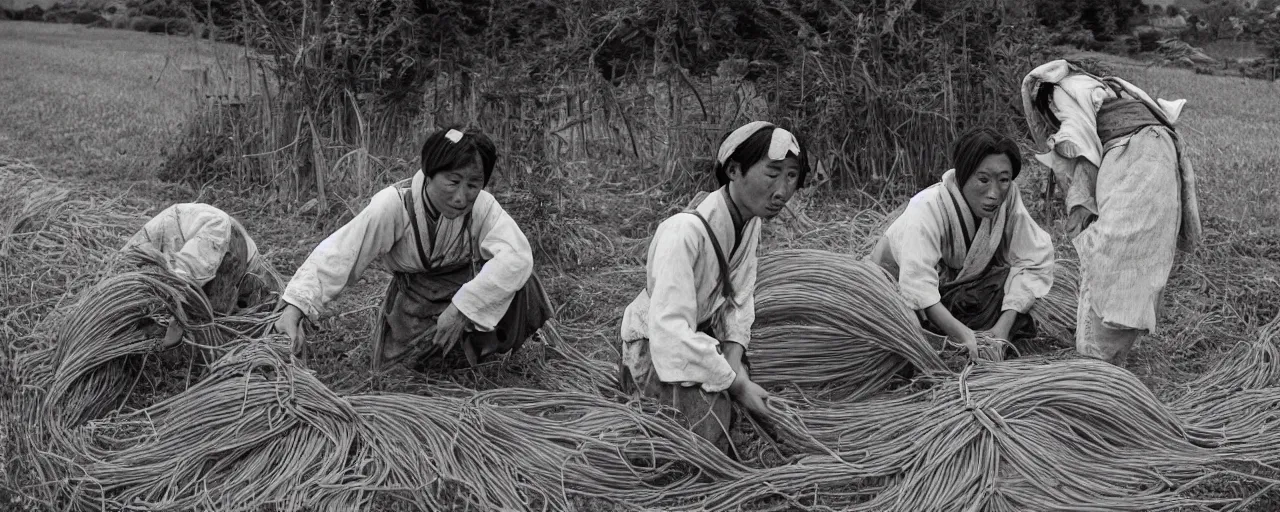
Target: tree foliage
column 881, row 87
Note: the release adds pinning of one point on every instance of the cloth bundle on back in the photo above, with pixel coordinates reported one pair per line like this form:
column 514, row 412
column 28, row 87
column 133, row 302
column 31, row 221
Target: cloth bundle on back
column 463, row 271
column 1130, row 192
column 685, row 335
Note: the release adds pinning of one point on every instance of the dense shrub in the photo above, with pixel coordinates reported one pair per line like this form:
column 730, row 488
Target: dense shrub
column 162, row 9
column 1101, row 17
column 86, row 18
column 1149, row 40
column 880, row 87
column 177, row 26
column 146, row 24
column 32, row 13
column 1269, row 37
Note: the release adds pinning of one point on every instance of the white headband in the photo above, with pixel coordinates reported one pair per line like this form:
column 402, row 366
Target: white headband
column 782, row 143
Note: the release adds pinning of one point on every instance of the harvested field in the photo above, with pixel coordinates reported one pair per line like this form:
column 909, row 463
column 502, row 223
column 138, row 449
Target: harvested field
column 1189, row 424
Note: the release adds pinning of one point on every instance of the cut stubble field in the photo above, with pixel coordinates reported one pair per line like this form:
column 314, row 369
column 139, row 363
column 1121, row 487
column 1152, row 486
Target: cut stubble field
column 100, row 108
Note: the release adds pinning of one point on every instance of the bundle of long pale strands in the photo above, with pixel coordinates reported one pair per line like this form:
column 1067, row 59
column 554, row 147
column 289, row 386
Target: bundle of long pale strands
column 101, row 353
column 1239, row 398
column 48, row 237
column 1055, row 313
column 956, row 356
column 1017, row 435
column 821, row 314
column 1035, row 434
column 259, row 430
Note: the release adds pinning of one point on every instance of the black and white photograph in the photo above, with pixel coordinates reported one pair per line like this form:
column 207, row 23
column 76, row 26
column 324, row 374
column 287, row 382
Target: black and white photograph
column 639, row 255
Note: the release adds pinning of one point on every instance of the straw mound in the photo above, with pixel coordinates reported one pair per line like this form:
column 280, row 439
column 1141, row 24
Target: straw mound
column 241, row 425
column 50, row 235
column 260, row 430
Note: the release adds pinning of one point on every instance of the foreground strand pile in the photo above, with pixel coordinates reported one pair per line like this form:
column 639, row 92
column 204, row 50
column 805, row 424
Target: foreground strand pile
column 259, row 430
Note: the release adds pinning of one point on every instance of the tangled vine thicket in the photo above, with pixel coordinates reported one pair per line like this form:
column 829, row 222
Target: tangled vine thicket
column 880, row 88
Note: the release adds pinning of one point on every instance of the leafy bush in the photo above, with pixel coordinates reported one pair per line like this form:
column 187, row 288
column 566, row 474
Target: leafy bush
column 146, row 24
column 177, row 26
column 86, row 18
column 1269, row 37
column 880, row 88
column 1103, row 18
column 1149, row 40
column 163, row 9
column 31, row 13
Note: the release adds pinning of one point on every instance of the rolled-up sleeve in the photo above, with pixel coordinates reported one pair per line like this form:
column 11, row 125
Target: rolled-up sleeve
column 1031, row 260
column 680, row 353
column 341, row 258
column 485, row 298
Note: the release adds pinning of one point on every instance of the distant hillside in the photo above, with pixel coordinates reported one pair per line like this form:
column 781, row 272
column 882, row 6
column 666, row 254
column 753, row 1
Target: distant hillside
column 45, row 4
column 23, row 4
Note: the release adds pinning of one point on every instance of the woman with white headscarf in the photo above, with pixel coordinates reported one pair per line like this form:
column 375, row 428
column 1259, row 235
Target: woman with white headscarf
column 1130, row 192
column 685, row 336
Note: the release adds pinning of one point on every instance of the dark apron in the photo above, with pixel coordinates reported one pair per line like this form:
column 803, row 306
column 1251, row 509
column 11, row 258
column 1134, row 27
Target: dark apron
column 978, row 303
column 414, row 301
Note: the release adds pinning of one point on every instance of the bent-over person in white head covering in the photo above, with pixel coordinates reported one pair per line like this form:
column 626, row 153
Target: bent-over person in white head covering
column 210, row 249
column 965, row 251
column 1129, row 190
column 462, row 271
column 685, row 336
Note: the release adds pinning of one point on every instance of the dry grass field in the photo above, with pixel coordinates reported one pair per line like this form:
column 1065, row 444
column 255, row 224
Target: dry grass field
column 99, row 108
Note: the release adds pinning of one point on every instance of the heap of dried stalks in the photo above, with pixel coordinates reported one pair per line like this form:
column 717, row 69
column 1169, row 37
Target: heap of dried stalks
column 49, row 234
column 1055, row 313
column 259, row 430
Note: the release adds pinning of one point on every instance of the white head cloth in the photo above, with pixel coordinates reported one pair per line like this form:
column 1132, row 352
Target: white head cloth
column 782, row 142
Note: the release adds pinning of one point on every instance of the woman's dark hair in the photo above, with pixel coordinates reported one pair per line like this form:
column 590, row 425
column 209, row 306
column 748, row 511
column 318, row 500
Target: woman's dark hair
column 972, row 146
column 439, row 154
column 1044, row 97
column 755, row 148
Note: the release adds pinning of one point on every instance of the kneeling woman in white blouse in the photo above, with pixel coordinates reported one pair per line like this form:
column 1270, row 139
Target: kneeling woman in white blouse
column 965, row 252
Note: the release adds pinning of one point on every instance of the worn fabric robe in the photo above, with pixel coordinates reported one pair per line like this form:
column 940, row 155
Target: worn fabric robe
column 383, row 231
column 195, row 240
column 192, row 237
column 936, row 241
column 1142, row 188
column 683, row 291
